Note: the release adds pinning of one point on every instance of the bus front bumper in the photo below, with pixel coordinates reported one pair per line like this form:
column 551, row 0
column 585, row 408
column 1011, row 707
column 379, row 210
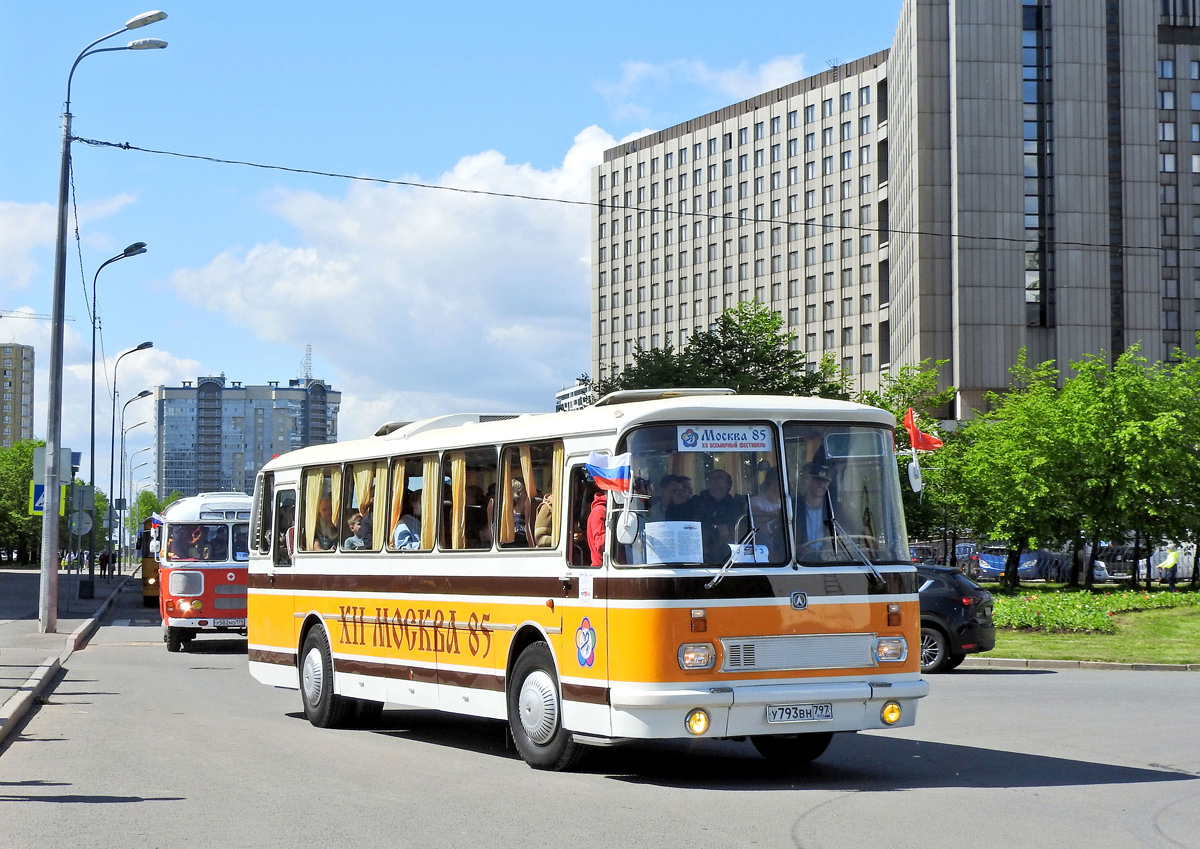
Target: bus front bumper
column 751, row 709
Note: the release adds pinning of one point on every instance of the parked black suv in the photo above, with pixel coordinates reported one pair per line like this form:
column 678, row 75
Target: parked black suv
column 956, row 618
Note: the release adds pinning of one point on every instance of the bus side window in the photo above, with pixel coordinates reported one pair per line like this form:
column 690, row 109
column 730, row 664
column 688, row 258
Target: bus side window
column 284, row 543
column 261, row 538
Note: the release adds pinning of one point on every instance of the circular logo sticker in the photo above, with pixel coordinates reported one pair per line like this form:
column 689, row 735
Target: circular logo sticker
column 585, row 642
column 689, row 438
column 229, row 576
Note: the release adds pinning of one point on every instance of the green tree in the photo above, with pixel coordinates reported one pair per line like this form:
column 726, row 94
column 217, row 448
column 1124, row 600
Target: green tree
column 19, row 532
column 746, row 350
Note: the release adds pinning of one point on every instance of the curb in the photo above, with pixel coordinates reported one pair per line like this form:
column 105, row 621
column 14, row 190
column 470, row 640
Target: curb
column 18, row 704
column 1018, row 663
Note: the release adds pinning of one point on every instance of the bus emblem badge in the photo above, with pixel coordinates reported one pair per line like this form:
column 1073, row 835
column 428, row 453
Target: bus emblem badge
column 585, row 643
column 799, row 601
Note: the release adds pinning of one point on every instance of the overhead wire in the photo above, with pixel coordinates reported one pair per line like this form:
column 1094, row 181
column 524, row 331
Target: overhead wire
column 738, row 221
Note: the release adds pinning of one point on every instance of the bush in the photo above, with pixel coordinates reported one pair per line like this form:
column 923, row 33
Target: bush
column 1080, row 611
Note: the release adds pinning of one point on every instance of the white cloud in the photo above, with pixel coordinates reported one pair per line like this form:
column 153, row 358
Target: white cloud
column 642, row 80
column 426, row 301
column 29, row 229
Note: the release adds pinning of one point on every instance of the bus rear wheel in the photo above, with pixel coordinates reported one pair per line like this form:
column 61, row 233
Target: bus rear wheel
column 535, row 712
column 793, row 749
column 323, row 707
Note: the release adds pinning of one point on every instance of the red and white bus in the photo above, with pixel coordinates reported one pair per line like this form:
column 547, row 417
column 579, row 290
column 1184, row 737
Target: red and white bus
column 202, row 557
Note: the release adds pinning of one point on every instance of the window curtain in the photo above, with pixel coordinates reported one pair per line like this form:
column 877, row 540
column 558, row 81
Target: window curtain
column 556, row 490
column 312, row 494
column 429, row 498
column 508, row 527
column 458, row 495
column 399, row 484
column 335, row 493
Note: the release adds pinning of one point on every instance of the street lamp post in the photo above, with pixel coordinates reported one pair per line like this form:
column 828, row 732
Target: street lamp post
column 139, row 466
column 133, row 250
column 131, row 508
column 48, row 608
column 121, row 473
column 112, row 447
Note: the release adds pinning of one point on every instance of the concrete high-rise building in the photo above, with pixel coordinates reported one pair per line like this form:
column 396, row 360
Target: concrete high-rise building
column 216, row 435
column 16, row 397
column 1010, row 173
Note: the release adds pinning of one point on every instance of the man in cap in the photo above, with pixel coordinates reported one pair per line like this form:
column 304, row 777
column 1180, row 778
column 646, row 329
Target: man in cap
column 813, row 512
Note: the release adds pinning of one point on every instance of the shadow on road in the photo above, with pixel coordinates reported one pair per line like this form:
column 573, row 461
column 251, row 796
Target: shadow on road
column 853, row 761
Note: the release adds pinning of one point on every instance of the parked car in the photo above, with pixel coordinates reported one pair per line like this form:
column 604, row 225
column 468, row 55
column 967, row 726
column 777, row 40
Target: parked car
column 956, row 618
column 922, row 554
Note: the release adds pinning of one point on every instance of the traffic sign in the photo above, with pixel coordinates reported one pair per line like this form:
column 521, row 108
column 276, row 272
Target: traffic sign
column 37, row 499
column 81, row 522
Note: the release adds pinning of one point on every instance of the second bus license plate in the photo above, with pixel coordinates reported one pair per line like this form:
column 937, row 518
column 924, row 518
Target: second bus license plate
column 230, row 623
column 799, row 713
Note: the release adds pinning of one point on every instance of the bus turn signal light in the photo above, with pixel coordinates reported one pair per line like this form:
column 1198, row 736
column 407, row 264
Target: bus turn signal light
column 893, row 611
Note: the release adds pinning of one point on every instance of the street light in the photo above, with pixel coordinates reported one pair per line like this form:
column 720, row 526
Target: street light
column 125, row 518
column 121, row 478
column 48, row 608
column 135, row 249
column 112, row 447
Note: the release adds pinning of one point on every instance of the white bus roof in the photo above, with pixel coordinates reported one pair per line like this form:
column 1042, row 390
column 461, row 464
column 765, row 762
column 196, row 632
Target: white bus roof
column 206, row 505
column 467, row 429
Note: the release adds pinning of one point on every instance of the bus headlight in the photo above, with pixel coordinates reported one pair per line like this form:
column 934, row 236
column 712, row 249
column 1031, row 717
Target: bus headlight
column 696, row 722
column 890, row 713
column 891, row 649
column 697, row 656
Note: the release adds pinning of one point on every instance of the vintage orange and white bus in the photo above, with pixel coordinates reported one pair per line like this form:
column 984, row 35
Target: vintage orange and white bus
column 202, row 557
column 754, row 584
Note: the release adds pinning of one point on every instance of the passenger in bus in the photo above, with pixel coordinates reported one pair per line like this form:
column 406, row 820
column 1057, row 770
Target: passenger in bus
column 595, row 527
column 718, row 509
column 218, row 544
column 767, row 512
column 325, row 536
column 355, row 540
column 685, row 507
column 478, row 529
column 543, row 523
column 407, row 534
column 668, row 495
column 197, row 545
column 366, row 528
column 522, row 507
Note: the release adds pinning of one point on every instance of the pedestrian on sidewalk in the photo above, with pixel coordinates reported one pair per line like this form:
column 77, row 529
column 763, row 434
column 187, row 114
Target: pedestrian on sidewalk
column 103, row 561
column 1169, row 567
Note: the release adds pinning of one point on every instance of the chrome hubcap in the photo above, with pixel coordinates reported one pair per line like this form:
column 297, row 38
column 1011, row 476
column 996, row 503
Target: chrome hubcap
column 538, row 707
column 312, row 676
column 929, row 650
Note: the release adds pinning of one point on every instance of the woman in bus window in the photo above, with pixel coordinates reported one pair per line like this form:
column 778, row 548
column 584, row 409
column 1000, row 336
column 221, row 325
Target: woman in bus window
column 326, row 534
column 407, row 535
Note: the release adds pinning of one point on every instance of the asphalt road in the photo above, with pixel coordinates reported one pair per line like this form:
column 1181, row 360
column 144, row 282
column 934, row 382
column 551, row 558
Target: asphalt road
column 138, row 747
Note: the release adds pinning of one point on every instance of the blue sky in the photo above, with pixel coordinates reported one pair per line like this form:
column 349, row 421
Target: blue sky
column 415, row 302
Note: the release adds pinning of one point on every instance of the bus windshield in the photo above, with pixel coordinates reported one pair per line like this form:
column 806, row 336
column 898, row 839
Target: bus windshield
column 198, row 541
column 699, row 490
column 241, row 542
column 847, row 498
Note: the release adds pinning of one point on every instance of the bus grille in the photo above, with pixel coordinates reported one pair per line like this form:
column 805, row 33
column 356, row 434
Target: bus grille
column 808, row 651
column 230, row 589
column 186, row 583
column 229, row 603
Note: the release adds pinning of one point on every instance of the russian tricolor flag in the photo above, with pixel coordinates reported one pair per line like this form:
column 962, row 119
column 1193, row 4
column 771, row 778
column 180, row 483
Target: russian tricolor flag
column 611, row 473
column 155, row 520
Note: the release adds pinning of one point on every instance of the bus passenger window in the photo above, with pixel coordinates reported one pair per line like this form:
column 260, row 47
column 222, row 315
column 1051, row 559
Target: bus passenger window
column 322, row 501
column 469, row 482
column 528, row 475
column 285, row 525
column 364, row 489
column 411, row 517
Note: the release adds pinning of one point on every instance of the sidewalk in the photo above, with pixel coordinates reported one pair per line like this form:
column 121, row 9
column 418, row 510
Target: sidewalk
column 29, row 660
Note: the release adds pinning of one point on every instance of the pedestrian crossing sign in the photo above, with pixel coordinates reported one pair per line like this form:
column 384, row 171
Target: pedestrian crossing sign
column 37, row 499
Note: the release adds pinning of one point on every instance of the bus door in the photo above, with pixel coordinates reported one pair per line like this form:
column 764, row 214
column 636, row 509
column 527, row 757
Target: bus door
column 273, row 621
column 582, row 646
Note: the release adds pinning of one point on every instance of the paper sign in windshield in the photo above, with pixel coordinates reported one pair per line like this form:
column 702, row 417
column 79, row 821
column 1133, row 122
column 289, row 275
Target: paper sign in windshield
column 674, row 542
column 724, row 438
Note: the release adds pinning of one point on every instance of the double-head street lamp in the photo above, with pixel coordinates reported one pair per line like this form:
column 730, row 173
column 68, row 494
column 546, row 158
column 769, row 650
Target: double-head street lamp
column 133, row 250
column 121, row 480
column 48, row 613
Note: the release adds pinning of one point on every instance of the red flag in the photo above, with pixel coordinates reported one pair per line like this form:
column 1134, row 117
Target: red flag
column 919, row 441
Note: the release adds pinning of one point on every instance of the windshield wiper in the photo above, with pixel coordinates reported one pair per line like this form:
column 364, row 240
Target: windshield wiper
column 854, row 548
column 733, row 552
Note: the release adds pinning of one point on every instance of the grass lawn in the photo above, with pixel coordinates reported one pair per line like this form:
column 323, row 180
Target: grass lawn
column 1147, row 636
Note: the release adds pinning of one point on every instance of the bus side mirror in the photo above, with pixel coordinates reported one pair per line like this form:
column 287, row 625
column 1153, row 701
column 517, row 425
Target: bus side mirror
column 627, row 527
column 154, row 547
column 914, row 477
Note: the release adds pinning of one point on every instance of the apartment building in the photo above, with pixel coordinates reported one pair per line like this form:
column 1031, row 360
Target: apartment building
column 16, row 394
column 1006, row 175
column 214, row 435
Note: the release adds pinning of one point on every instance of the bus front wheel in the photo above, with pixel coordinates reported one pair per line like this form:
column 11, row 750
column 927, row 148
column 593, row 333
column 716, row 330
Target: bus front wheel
column 535, row 712
column 174, row 639
column 323, row 707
